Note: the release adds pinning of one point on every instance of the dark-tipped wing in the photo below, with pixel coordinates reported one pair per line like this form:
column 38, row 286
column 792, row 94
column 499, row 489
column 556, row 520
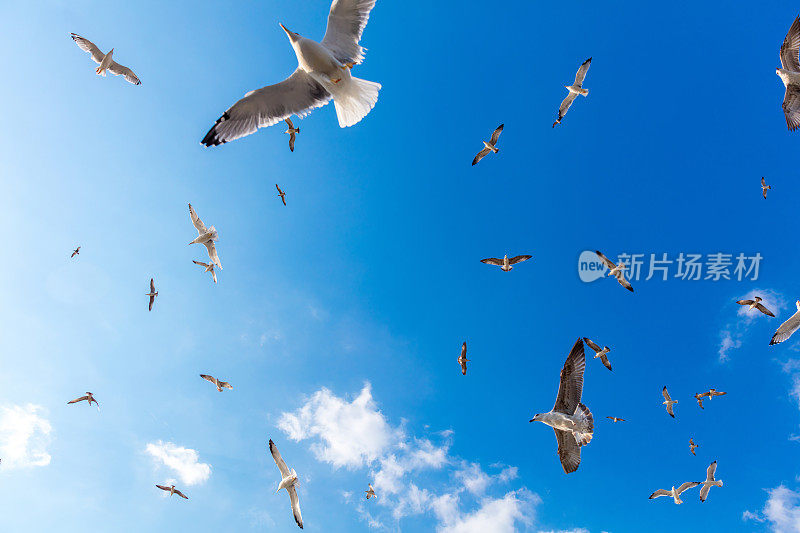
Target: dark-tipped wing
column 581, row 74
column 571, row 387
column 688, row 485
column 624, row 282
column 209, row 378
column 565, row 105
column 76, row 400
column 116, row 68
column 480, row 156
column 764, row 310
column 292, row 137
column 464, row 349
column 791, row 107
column 182, row 495
column 162, row 487
column 492, row 261
column 791, row 47
column 745, row 302
column 591, row 344
column 196, row 222
column 152, row 285
column 710, row 471
column 296, row 95
column 659, row 493
column 463, row 366
column 496, row 134
column 278, row 459
column 665, row 394
column 88, row 46
column 518, row 259
column 568, row 451
column 346, row 23
column 150, row 305
column 786, row 329
column 295, row 505
column 605, row 361
column 605, row 260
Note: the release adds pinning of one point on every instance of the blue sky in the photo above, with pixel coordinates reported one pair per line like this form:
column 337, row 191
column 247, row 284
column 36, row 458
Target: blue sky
column 339, row 318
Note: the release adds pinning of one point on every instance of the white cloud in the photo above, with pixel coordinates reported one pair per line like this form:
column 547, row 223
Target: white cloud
column 498, row 515
column 24, row 436
column 185, row 462
column 782, row 511
column 728, row 341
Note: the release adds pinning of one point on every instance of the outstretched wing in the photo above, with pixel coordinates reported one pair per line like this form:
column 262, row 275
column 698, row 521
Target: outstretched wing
column 581, row 74
column 292, row 137
column 605, row 260
column 150, row 305
column 786, row 329
column 76, row 400
column 764, row 310
column 464, row 367
column 116, row 68
column 496, row 134
column 225, row 385
column 791, row 47
column 565, row 104
column 745, row 302
column 665, row 394
column 791, row 107
column 492, row 261
column 518, row 259
column 568, row 450
column 295, row 505
column 278, row 459
column 624, row 282
column 198, row 224
column 710, row 471
column 661, row 492
column 591, row 344
column 480, row 156
column 209, row 378
column 570, row 388
column 688, row 485
column 205, row 265
column 162, row 487
column 88, row 46
column 605, row 361
column 182, row 495
column 296, row 95
column 152, row 285
column 212, row 253
column 346, row 23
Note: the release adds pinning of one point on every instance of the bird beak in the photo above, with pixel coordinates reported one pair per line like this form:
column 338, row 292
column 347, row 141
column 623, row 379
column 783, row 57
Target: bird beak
column 287, row 31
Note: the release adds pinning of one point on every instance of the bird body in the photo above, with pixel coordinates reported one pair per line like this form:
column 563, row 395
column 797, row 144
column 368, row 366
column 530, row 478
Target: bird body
column 462, row 359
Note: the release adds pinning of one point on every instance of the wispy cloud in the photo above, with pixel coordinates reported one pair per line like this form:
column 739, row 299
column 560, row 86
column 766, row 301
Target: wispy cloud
column 24, row 436
column 184, row 462
column 781, row 511
column 499, row 515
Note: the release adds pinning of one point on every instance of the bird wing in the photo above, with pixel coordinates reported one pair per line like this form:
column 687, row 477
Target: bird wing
column 704, row 492
column 76, row 400
column 295, row 505
column 791, row 107
column 464, row 366
column 279, row 189
column 296, row 95
column 605, row 361
column 198, row 224
column 212, row 253
column 346, row 23
column 571, row 387
column 292, row 137
column 670, row 410
column 480, row 156
column 686, row 486
column 225, row 385
column 162, row 487
column 152, row 285
column 710, row 471
column 592, row 345
column 289, row 123
column 565, row 103
column 278, row 459
column 150, row 305
column 214, row 275
column 518, row 259
column 88, row 46
column 764, row 192
column 610, row 264
column 786, row 329
column 791, row 47
column 464, row 349
column 182, row 495
column 660, row 492
column 700, row 401
column 624, row 282
column 764, row 310
column 763, row 183
column 116, row 68
column 745, row 302
column 496, row 134
column 665, row 394
column 492, row 261
column 209, row 378
column 568, row 450
column 581, row 74
column 200, row 263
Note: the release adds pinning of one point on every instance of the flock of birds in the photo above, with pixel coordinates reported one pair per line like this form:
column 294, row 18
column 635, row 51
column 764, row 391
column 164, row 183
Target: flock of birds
column 324, row 74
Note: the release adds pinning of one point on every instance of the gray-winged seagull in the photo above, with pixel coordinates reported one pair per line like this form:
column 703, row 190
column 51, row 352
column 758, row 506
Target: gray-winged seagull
column 288, row 482
column 106, row 61
column 490, row 146
column 786, row 329
column 789, row 74
column 506, row 263
column 292, row 131
column 710, row 481
column 574, row 90
column 217, row 383
column 281, row 194
column 675, row 493
column 765, row 187
column 205, row 236
column 692, row 446
column 755, row 303
column 599, row 352
column 172, row 490
column 89, row 398
column 668, row 401
column 209, row 267
column 615, row 270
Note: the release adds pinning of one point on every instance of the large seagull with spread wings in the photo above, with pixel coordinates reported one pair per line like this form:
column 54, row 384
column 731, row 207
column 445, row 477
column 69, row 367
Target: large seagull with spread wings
column 323, row 72
column 790, row 75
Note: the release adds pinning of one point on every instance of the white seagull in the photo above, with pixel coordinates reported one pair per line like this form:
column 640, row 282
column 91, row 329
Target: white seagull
column 710, row 481
column 574, row 90
column 615, row 270
column 292, row 131
column 506, row 263
column 217, row 383
column 323, row 72
column 789, row 74
column 599, row 352
column 571, row 420
column 490, row 146
column 765, row 187
column 206, row 236
column 152, row 294
column 755, row 303
column 208, row 268
column 668, row 401
column 172, row 490
column 89, row 398
column 675, row 493
column 786, row 329
column 106, row 61
column 288, row 482
column 370, row 492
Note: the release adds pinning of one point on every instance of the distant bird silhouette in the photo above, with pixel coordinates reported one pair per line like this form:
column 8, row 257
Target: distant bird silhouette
column 668, row 401
column 462, row 359
column 574, row 90
column 489, row 146
column 281, row 194
column 75, row 252
column 692, row 446
column 755, row 303
column 292, row 131
column 172, row 490
column 615, row 419
column 217, row 383
column 89, row 398
column 505, row 263
column 152, row 294
column 764, row 187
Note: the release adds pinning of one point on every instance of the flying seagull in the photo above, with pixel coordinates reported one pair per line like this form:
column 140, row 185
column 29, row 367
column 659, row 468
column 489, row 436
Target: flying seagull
column 281, row 194
column 288, row 482
column 152, row 294
column 292, row 131
column 699, row 397
column 675, row 493
column 692, row 446
column 574, row 90
column 172, row 490
column 755, row 303
column 764, row 187
column 75, row 252
column 710, row 481
column 105, row 60
column 601, row 353
column 462, row 359
column 89, row 398
column 789, row 74
column 489, row 146
column 615, row 419
column 206, row 236
column 786, row 329
column 710, row 394
column 668, row 401
column 217, row 383
column 208, row 268
column 323, row 73
column 615, row 270
column 505, row 263
column 370, row 492
column 571, row 420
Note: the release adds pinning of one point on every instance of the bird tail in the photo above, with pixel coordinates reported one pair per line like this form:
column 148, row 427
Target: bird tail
column 354, row 100
column 585, row 427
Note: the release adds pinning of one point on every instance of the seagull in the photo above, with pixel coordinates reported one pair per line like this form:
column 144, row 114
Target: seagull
column 755, row 303
column 764, row 187
column 574, row 90
column 571, row 420
column 699, row 397
column 152, row 294
column 615, row 419
column 786, row 329
column 292, row 131
column 615, row 270
column 789, row 74
column 675, row 494
column 206, row 236
column 217, row 383
column 105, row 60
column 208, row 268
column 281, row 194
column 172, row 490
column 692, row 446
column 370, row 492
column 711, row 393
column 601, row 353
column 288, row 482
column 505, row 263
column 490, row 146
column 668, row 401
column 323, row 72
column 89, row 398
column 710, row 481
column 75, row 252
column 462, row 359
